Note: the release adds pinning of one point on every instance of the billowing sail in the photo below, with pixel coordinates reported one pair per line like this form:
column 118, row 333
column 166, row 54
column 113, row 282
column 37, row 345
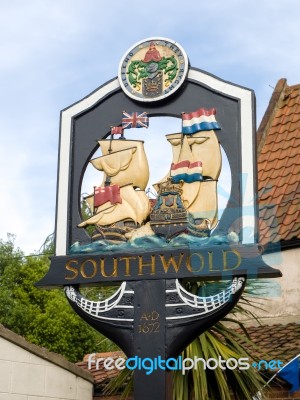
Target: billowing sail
column 205, row 205
column 205, row 147
column 186, row 169
column 176, row 141
column 190, row 189
column 201, row 151
column 115, row 165
column 135, row 206
column 120, row 203
column 124, row 161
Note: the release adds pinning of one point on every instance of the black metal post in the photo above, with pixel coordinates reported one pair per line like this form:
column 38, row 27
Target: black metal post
column 150, row 342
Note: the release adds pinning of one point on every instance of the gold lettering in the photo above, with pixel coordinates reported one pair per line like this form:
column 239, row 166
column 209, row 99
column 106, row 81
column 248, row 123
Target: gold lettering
column 154, row 315
column 210, row 262
column 83, row 271
column 201, row 264
column 225, row 261
column 171, row 261
column 142, row 265
column 127, row 264
column 73, row 269
column 115, row 268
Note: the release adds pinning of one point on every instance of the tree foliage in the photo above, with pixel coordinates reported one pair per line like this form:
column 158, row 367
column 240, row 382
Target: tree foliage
column 43, row 317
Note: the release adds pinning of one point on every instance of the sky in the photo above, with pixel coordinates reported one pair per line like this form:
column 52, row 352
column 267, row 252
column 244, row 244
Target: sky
column 55, row 52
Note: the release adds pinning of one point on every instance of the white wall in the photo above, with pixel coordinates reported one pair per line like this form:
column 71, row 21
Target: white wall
column 25, row 376
column 282, row 303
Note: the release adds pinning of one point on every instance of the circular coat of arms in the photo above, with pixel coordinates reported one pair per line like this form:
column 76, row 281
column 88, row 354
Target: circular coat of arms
column 153, row 69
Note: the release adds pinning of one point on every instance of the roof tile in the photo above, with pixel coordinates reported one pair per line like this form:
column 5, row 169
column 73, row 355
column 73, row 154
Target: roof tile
column 276, row 341
column 101, row 374
column 279, row 166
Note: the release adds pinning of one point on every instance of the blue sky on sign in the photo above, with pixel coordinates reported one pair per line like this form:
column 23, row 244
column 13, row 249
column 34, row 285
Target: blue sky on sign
column 53, row 53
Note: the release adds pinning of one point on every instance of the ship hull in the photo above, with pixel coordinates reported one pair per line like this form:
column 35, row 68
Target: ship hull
column 114, row 233
column 169, row 217
column 169, row 230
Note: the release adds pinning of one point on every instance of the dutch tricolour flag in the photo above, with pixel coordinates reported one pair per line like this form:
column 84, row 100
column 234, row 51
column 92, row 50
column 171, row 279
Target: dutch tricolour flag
column 186, row 171
column 199, row 120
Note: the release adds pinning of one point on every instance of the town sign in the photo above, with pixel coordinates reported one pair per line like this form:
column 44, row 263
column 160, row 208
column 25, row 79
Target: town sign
column 149, row 245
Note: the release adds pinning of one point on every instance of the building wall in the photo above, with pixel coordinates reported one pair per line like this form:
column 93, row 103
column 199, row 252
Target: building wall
column 25, row 376
column 280, row 298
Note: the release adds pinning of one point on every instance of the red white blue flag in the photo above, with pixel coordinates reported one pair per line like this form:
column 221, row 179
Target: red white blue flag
column 135, row 120
column 199, row 120
column 186, row 171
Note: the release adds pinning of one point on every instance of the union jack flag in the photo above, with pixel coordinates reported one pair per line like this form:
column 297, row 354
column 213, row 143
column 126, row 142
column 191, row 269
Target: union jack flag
column 135, row 120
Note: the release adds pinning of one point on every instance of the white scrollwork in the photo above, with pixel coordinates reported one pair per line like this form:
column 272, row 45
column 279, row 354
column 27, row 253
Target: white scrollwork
column 203, row 304
column 237, row 284
column 70, row 293
column 100, row 309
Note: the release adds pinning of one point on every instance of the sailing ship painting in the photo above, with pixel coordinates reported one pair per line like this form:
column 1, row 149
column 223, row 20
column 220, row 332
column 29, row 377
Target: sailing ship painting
column 186, row 201
column 193, row 175
column 120, row 204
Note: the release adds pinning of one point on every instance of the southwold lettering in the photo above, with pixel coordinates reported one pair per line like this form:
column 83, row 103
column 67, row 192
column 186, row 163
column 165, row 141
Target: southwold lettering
column 155, row 265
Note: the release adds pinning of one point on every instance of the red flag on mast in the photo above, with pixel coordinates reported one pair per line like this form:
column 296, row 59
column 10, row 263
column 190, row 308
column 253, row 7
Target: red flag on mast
column 116, row 130
column 103, row 194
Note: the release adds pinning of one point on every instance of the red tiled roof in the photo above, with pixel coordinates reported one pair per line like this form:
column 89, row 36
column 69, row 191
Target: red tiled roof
column 100, row 374
column 279, row 166
column 275, row 342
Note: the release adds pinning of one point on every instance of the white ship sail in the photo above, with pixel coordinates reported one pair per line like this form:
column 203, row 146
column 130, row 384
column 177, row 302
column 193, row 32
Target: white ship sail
column 199, row 197
column 205, row 204
column 130, row 162
column 135, row 206
column 125, row 167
